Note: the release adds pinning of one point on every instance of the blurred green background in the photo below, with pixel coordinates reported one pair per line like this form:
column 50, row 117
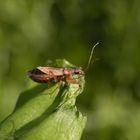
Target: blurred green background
column 32, row 32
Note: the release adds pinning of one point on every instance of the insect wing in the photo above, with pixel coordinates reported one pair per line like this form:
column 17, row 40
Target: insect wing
column 51, row 70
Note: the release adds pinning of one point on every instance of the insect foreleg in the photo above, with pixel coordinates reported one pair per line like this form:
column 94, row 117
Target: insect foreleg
column 70, row 79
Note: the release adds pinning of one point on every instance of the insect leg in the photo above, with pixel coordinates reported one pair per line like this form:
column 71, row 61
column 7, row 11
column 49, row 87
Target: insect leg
column 70, row 79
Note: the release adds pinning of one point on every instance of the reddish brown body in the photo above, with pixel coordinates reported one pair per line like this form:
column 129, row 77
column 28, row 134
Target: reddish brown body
column 48, row 74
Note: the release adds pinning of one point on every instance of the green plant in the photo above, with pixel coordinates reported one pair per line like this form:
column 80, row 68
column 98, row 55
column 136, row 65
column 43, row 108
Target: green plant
column 46, row 112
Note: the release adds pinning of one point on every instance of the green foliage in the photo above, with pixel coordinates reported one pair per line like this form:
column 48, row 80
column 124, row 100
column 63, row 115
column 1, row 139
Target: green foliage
column 46, row 112
column 33, row 31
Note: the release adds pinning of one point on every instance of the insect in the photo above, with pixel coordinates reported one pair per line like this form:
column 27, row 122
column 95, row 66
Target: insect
column 48, row 74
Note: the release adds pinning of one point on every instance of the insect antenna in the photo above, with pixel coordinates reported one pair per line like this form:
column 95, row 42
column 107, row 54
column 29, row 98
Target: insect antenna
column 90, row 57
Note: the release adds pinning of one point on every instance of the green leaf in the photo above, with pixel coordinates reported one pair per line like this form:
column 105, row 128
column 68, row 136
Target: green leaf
column 46, row 112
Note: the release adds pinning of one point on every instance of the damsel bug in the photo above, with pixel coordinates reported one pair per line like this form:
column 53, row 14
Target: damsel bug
column 48, row 74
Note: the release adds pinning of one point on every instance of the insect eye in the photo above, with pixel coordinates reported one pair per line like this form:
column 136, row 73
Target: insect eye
column 76, row 72
column 79, row 71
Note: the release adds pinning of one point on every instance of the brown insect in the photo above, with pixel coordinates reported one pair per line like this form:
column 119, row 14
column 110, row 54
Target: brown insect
column 48, row 74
